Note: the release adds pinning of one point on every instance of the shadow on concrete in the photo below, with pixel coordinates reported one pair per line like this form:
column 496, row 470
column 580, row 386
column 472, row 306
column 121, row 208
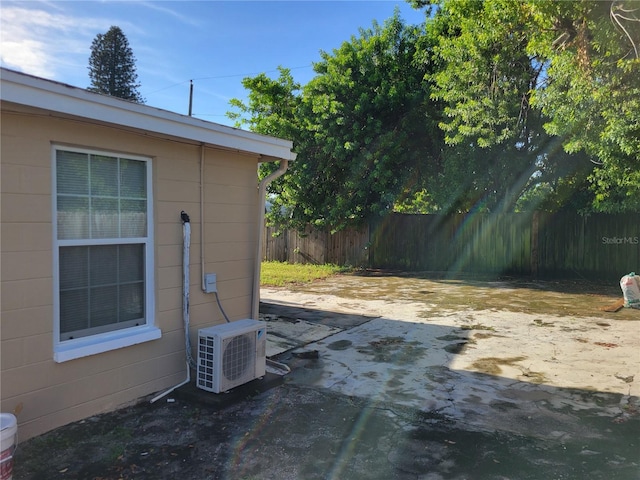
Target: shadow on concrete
column 474, row 426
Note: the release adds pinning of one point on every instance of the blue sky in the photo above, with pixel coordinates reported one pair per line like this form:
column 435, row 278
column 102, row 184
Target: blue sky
column 214, row 43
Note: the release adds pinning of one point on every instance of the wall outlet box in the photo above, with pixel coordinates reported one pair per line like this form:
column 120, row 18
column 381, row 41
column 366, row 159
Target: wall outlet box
column 210, row 285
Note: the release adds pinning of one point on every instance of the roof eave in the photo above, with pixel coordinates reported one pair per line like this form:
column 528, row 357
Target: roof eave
column 58, row 97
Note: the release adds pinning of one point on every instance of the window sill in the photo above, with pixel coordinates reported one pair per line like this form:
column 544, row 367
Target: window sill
column 84, row 347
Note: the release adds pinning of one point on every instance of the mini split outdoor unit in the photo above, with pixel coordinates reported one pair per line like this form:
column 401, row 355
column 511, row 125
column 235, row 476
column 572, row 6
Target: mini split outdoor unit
column 231, row 354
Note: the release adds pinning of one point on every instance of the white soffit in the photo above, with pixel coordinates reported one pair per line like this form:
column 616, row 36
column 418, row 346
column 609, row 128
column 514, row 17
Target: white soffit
column 58, row 97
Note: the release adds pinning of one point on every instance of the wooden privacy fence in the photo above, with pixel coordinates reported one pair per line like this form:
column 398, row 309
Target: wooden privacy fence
column 559, row 245
column 347, row 247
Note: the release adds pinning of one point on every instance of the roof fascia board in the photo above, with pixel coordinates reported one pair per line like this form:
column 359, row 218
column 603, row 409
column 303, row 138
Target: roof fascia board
column 57, row 97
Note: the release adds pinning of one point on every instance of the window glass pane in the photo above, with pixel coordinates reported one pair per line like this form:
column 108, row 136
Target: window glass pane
column 103, row 306
column 92, row 191
column 74, row 310
column 131, row 263
column 101, row 286
column 104, row 218
column 104, row 176
column 132, row 302
column 72, row 173
column 74, row 267
column 104, row 265
column 133, row 179
column 133, row 218
column 73, row 217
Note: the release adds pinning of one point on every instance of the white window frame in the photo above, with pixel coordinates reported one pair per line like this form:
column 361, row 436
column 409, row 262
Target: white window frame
column 65, row 350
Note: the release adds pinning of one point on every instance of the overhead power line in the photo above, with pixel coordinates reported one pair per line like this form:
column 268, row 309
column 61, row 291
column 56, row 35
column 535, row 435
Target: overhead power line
column 215, row 77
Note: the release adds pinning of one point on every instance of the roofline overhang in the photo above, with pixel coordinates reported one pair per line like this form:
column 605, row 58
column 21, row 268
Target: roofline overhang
column 28, row 90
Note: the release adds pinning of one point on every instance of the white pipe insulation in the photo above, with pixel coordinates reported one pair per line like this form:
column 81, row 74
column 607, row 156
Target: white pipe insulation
column 262, row 195
column 186, row 243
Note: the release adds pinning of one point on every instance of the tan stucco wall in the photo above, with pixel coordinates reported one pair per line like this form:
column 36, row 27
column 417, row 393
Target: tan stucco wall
column 50, row 394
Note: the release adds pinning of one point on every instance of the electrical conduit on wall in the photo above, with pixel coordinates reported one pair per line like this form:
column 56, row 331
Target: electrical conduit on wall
column 203, row 285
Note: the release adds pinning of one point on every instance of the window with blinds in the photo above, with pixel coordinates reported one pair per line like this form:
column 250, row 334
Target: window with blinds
column 102, row 236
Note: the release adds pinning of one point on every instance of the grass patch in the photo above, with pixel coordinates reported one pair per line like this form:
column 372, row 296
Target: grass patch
column 279, row 274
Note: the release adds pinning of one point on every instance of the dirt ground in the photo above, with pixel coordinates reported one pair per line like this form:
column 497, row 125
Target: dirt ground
column 419, row 377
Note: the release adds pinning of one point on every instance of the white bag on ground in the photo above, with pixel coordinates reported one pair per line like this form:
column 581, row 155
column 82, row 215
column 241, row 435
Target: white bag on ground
column 630, row 285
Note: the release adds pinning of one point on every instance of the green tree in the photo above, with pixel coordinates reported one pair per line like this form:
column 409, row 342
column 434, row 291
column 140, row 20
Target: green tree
column 485, row 79
column 481, row 110
column 363, row 128
column 272, row 105
column 516, row 75
column 591, row 92
column 112, row 68
column 373, row 134
column 273, row 108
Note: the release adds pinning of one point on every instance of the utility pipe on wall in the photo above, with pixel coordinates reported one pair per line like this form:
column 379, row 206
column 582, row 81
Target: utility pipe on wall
column 262, row 196
column 202, row 283
column 186, row 243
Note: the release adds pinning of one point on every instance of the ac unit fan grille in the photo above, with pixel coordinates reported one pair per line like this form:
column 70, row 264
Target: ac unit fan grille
column 238, row 356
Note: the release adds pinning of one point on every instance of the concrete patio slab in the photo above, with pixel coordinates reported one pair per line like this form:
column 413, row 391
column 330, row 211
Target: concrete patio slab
column 485, row 368
column 417, row 380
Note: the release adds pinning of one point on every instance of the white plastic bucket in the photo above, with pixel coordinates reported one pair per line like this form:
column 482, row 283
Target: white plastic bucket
column 630, row 285
column 8, row 435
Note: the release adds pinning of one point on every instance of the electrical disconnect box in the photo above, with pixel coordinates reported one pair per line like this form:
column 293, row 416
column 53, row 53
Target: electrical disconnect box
column 210, row 283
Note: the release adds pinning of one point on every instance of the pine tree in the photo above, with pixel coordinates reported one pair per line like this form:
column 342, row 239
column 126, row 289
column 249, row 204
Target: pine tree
column 112, row 68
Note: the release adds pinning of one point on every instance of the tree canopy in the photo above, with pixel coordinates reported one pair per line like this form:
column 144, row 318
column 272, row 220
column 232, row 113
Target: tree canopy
column 490, row 105
column 572, row 68
column 112, row 67
column 591, row 92
column 371, row 133
column 363, row 127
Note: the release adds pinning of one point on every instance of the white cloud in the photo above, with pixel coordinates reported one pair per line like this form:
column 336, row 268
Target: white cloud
column 28, row 56
column 45, row 43
column 172, row 13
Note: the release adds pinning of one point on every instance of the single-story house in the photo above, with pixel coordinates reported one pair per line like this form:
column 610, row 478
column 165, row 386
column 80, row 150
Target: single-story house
column 92, row 245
